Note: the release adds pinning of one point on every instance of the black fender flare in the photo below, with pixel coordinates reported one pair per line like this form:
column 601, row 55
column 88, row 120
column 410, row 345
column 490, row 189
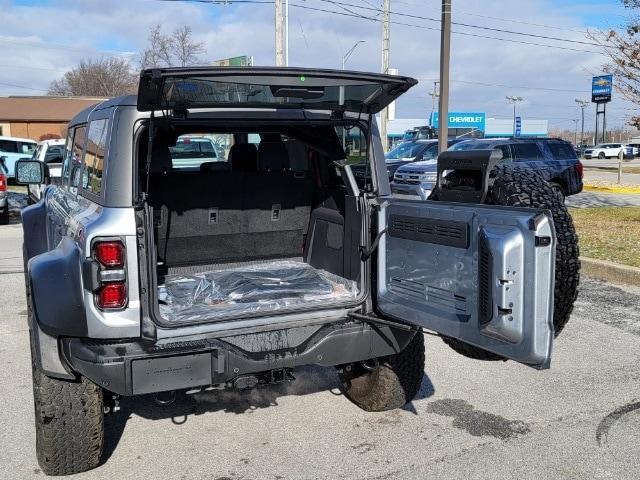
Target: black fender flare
column 34, row 229
column 57, row 292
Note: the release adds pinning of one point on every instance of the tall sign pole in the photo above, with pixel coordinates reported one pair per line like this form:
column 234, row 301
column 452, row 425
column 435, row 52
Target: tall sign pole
column 601, row 88
column 386, row 41
column 445, row 55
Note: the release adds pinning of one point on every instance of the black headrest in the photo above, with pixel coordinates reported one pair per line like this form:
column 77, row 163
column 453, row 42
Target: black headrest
column 243, row 157
column 298, row 159
column 160, row 156
column 214, row 167
column 272, row 156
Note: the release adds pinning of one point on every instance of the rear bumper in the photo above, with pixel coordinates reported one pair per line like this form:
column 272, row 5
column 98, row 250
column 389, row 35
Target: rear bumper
column 133, row 368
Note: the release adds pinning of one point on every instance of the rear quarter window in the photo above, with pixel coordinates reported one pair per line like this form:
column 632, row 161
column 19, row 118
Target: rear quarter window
column 527, row 151
column 562, row 151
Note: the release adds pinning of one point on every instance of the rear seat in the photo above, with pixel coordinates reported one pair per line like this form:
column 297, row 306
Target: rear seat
column 217, row 216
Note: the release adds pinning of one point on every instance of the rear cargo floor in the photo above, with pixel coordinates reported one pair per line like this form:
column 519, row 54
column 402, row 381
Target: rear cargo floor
column 210, row 292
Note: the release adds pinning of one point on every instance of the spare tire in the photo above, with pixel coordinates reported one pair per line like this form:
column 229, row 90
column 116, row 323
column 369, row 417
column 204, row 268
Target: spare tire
column 518, row 186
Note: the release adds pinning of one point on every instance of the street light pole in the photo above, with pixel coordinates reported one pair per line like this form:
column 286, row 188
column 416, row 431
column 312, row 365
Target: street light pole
column 346, row 56
column 514, row 100
column 582, row 104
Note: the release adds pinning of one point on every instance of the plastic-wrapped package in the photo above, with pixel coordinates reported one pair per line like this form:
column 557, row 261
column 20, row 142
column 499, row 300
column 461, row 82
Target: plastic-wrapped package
column 266, row 287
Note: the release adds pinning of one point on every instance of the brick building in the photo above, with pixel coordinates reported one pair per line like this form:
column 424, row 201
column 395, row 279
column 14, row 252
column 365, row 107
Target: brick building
column 32, row 117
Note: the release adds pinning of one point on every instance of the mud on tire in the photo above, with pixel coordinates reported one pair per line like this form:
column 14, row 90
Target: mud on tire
column 521, row 187
column 392, row 385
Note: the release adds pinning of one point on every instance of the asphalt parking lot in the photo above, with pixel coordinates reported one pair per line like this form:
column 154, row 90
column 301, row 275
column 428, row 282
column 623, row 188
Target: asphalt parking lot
column 471, row 420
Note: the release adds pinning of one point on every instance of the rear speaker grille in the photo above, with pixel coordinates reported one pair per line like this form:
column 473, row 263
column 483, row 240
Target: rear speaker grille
column 485, row 306
column 430, row 230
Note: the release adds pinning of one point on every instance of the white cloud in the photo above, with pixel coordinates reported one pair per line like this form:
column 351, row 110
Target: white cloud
column 54, row 37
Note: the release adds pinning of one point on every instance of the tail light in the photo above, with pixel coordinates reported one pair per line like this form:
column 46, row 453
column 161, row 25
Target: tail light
column 580, row 169
column 3, row 182
column 112, row 295
column 111, row 276
column 110, row 254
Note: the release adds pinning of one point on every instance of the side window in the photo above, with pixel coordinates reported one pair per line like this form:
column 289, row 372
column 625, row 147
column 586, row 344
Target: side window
column 9, row 146
column 430, row 153
column 26, row 148
column 506, row 151
column 66, row 162
column 562, row 151
column 94, row 157
column 527, row 151
column 54, row 154
column 77, row 151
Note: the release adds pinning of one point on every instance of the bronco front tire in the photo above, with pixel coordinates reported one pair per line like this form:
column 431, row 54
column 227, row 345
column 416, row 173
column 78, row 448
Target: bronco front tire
column 517, row 186
column 393, row 383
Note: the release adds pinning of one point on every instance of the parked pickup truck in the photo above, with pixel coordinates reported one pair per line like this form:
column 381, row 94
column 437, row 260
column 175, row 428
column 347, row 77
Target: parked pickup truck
column 554, row 159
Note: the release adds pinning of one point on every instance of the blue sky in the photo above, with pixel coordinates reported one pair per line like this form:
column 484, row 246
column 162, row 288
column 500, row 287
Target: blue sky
column 42, row 39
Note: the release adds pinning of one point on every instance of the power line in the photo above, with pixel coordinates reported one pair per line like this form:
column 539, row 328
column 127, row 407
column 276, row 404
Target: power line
column 22, row 86
column 424, row 27
column 491, row 29
column 524, row 87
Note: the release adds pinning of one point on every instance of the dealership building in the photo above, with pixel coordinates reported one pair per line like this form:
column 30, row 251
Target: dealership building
column 471, row 124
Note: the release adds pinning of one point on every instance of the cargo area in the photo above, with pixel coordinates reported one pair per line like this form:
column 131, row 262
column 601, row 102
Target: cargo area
column 253, row 229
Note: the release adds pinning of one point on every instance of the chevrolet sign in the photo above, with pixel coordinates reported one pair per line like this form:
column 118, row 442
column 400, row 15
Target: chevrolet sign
column 601, row 88
column 463, row 120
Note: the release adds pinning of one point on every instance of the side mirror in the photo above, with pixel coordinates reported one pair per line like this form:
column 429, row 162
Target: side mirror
column 30, row 172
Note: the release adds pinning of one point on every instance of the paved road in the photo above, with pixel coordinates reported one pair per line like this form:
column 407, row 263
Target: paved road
column 471, row 420
column 597, row 199
column 582, row 200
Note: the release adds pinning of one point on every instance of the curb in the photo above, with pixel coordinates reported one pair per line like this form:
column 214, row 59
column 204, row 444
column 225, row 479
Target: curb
column 623, row 190
column 610, row 271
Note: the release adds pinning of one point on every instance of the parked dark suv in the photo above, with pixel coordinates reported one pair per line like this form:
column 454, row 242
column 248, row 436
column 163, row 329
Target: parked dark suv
column 145, row 277
column 555, row 160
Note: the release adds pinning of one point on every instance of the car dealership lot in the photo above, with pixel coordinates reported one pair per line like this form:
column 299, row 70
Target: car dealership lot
column 580, row 419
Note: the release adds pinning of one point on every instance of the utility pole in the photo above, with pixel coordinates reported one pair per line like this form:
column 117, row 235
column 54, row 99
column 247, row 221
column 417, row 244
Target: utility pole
column 279, row 17
column 286, row 32
column 445, row 56
column 582, row 104
column 386, row 33
column 575, row 131
column 514, row 100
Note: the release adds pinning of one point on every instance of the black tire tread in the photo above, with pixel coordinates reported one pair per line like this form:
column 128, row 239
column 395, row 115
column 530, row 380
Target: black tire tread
column 69, row 424
column 69, row 419
column 393, row 384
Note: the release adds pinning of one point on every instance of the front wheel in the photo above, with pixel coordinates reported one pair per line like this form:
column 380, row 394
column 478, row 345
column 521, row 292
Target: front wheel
column 388, row 383
column 601, row 156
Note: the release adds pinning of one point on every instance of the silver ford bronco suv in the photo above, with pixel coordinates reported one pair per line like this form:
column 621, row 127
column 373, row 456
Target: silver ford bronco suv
column 148, row 271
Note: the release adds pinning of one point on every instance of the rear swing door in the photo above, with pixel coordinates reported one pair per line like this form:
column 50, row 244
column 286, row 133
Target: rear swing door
column 481, row 274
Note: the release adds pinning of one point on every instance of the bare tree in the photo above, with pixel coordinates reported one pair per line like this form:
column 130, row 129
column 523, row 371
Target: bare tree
column 623, row 50
column 104, row 77
column 171, row 49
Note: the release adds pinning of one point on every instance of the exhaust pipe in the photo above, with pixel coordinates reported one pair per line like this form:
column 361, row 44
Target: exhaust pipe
column 165, row 398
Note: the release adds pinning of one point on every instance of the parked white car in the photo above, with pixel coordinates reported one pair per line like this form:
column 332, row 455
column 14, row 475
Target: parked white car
column 13, row 149
column 51, row 152
column 604, row 150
